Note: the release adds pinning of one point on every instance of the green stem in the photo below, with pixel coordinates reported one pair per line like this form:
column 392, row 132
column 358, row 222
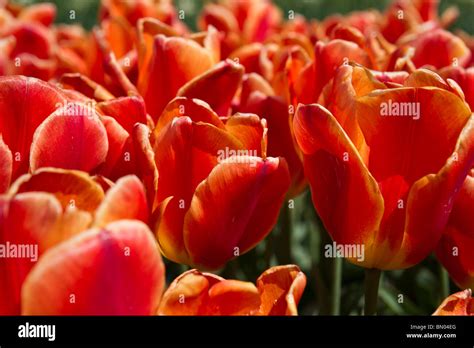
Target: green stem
column 372, row 280
column 332, row 275
column 284, row 238
column 268, row 250
column 444, row 280
column 336, row 279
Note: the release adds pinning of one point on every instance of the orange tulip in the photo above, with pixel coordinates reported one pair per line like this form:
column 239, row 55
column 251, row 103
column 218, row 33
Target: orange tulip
column 465, row 79
column 33, row 46
column 278, row 292
column 24, row 103
column 410, row 16
column 455, row 248
column 382, row 177
column 258, row 97
column 54, row 127
column 44, row 209
column 460, row 303
column 437, row 48
column 113, row 270
column 241, row 22
column 217, row 198
column 167, row 63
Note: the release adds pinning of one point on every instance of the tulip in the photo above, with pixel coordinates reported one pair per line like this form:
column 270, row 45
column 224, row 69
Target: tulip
column 167, row 63
column 216, row 87
column 406, row 16
column 386, row 182
column 54, row 127
column 217, row 198
column 278, row 292
column 33, row 46
column 455, row 248
column 254, row 21
column 134, row 10
column 53, row 205
column 460, row 303
column 465, row 79
column 113, row 270
column 258, row 97
column 310, row 80
column 24, row 103
column 438, row 48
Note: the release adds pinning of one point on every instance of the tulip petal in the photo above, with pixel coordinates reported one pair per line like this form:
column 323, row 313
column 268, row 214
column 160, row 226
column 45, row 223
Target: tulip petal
column 198, row 110
column 344, row 193
column 252, row 83
column 41, row 13
column 116, row 270
column 280, row 138
column 199, row 143
column 248, row 129
column 454, row 249
column 6, row 166
column 233, row 297
column 431, row 199
column 24, row 104
column 127, row 111
column 281, row 288
column 76, row 140
column 460, row 303
column 33, row 66
column 234, row 208
column 350, row 83
column 72, row 222
column 439, row 48
column 125, row 200
column 217, row 86
column 175, row 61
column 25, row 222
column 145, row 161
column 86, row 86
column 188, row 294
column 72, row 188
column 465, row 79
column 118, row 161
column 31, row 38
column 417, row 138
column 328, row 57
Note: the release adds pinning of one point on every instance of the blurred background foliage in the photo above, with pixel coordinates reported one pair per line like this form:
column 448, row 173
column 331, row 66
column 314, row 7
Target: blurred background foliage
column 416, row 291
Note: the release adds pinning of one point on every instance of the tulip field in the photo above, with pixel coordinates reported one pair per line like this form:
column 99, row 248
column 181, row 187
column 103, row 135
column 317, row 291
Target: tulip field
column 236, row 158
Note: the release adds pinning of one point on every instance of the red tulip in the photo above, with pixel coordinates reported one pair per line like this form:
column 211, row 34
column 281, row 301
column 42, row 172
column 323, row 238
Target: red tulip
column 24, row 103
column 386, row 182
column 51, row 206
column 278, row 292
column 113, row 270
column 167, row 63
column 465, row 79
column 25, row 220
column 65, row 129
column 70, row 139
column 258, row 97
column 217, row 86
column 455, row 248
column 410, row 16
column 33, row 46
column 256, row 20
column 223, row 199
column 460, row 303
column 438, row 48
